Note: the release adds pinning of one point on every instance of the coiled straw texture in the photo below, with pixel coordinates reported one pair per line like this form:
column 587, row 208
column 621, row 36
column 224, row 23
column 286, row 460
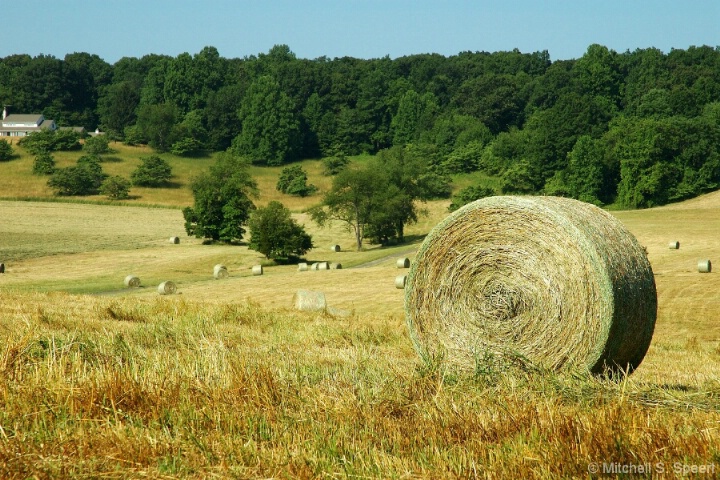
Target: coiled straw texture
column 547, row 281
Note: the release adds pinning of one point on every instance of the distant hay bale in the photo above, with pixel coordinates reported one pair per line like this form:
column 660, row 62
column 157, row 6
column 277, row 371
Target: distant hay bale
column 403, row 263
column 302, row 267
column 175, row 240
column 335, row 248
column 400, row 281
column 336, row 266
column 704, row 266
column 546, row 281
column 167, row 288
column 2, row 268
column 131, row 281
column 220, row 272
column 257, row 270
column 307, row 300
column 314, row 266
column 674, row 245
column 323, row 266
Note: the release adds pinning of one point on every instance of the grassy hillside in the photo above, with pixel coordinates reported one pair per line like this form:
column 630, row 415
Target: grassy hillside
column 225, row 379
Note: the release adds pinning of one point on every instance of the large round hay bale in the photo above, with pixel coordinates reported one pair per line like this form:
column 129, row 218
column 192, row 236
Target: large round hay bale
column 704, row 266
column 403, row 263
column 220, row 272
column 167, row 288
column 335, row 248
column 131, row 281
column 400, row 281
column 545, row 281
column 307, row 300
column 175, row 240
column 336, row 266
column 674, row 245
column 257, row 270
column 323, row 266
column 302, row 267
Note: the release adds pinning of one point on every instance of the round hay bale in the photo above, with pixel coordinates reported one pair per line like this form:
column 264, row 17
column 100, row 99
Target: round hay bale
column 302, row 267
column 335, row 248
column 403, row 263
column 674, row 245
column 167, row 288
column 323, row 266
column 2, row 268
column 704, row 266
column 314, row 266
column 220, row 272
column 336, row 266
column 175, row 240
column 545, row 281
column 257, row 270
column 131, row 281
column 307, row 300
column 400, row 281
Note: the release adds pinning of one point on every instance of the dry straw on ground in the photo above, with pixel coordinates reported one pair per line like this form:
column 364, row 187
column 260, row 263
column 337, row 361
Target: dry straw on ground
column 175, row 240
column 131, row 281
column 547, row 281
column 167, row 288
column 403, row 263
column 704, row 266
column 307, row 300
column 674, row 245
column 257, row 270
column 220, row 272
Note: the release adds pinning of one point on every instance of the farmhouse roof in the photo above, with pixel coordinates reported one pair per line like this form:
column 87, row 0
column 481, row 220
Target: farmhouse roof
column 23, row 118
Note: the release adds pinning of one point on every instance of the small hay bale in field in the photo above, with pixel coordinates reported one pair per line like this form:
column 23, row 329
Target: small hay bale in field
column 220, row 272
column 131, row 281
column 546, row 281
column 175, row 240
column 257, row 270
column 403, row 263
column 307, row 300
column 323, row 266
column 335, row 248
column 704, row 266
column 2, row 268
column 336, row 266
column 302, row 267
column 314, row 266
column 400, row 281
column 167, row 288
column 674, row 245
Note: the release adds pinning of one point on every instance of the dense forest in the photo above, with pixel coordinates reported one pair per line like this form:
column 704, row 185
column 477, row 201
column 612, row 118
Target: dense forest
column 637, row 129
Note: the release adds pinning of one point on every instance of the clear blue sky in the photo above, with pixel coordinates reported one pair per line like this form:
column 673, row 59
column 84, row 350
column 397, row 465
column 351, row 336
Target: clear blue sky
column 114, row 29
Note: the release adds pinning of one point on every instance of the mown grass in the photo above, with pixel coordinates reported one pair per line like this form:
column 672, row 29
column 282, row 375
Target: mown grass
column 116, row 388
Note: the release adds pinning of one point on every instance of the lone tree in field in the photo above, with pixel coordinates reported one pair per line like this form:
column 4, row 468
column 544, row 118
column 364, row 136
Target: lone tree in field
column 83, row 179
column 152, row 172
column 222, row 200
column 97, row 145
column 293, row 181
column 116, row 188
column 6, row 151
column 276, row 235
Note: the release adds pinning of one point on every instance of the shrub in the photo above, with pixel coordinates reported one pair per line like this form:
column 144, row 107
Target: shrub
column 6, row 151
column 293, row 181
column 152, row 172
column 275, row 234
column 186, row 147
column 83, row 179
column 116, row 188
column 50, row 141
column 335, row 164
column 97, row 145
column 44, row 164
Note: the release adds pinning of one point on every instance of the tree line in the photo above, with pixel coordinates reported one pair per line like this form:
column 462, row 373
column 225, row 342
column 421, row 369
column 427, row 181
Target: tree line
column 638, row 128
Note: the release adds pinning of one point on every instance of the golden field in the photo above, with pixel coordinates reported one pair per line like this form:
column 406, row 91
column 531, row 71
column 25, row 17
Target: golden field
column 226, row 380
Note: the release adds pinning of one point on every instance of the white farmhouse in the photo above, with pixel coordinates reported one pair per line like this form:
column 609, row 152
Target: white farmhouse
column 19, row 125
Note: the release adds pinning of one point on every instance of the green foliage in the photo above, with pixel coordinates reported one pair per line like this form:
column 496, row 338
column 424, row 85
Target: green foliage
column 153, row 171
column 6, row 150
column 50, row 141
column 97, row 145
column 293, row 181
column 116, row 188
column 186, row 147
column 156, row 124
column 275, row 234
column 464, row 159
column 469, row 194
column 222, row 204
column 83, row 179
column 134, row 136
column 334, row 164
column 44, row 164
